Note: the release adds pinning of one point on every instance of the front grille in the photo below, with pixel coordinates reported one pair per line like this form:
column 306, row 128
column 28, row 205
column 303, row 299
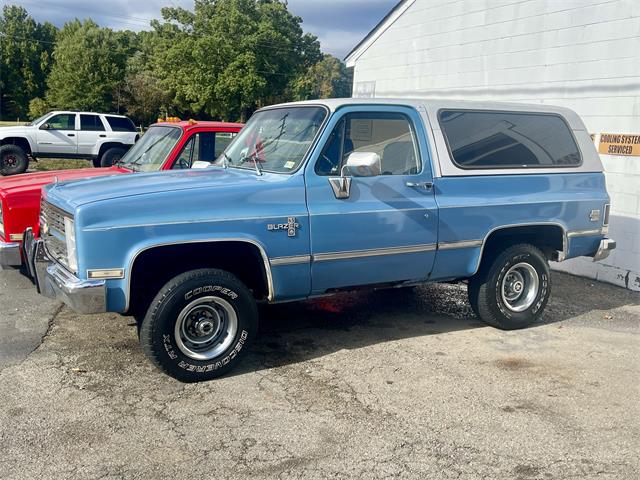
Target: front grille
column 53, row 235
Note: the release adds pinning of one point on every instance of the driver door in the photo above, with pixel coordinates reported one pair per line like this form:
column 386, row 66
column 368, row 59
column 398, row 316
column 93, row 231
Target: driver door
column 386, row 230
column 58, row 135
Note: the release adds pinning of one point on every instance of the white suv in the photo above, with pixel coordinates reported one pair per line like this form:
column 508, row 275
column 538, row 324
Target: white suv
column 102, row 138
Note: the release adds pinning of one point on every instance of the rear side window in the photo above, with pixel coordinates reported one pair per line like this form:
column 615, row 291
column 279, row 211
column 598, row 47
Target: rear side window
column 483, row 139
column 91, row 123
column 120, row 124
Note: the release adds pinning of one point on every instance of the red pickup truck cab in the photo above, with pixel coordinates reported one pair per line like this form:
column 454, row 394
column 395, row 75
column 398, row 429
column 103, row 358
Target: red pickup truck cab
column 165, row 146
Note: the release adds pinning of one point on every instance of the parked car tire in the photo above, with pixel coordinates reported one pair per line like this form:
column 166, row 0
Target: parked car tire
column 200, row 325
column 13, row 160
column 512, row 288
column 111, row 156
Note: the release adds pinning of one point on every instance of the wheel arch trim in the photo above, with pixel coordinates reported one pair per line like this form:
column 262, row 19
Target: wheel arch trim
column 565, row 237
column 252, row 242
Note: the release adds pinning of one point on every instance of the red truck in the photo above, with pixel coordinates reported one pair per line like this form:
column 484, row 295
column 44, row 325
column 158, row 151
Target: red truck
column 165, row 146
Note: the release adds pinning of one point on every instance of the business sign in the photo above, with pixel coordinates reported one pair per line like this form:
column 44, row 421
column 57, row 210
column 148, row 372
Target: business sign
column 619, row 144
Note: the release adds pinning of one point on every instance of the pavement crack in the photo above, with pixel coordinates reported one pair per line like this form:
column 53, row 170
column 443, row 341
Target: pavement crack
column 50, row 323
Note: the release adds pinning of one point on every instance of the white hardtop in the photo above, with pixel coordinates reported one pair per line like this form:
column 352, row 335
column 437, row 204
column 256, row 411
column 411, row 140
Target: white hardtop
column 432, row 106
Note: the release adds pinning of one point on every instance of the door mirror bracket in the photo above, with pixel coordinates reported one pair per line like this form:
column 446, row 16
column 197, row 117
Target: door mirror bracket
column 359, row 164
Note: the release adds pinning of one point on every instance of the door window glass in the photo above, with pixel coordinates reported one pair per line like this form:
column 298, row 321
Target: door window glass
column 121, row 124
column 62, row 121
column 199, row 148
column 91, row 123
column 390, row 135
column 223, row 139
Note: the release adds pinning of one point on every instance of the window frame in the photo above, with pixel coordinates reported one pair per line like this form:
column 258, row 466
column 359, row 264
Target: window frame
column 345, row 115
column 508, row 112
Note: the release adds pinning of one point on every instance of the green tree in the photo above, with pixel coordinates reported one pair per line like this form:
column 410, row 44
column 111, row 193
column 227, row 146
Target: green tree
column 329, row 78
column 38, row 107
column 25, row 60
column 141, row 93
column 229, row 57
column 89, row 66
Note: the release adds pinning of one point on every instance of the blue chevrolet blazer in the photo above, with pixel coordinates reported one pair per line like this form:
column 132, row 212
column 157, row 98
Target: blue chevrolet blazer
column 322, row 196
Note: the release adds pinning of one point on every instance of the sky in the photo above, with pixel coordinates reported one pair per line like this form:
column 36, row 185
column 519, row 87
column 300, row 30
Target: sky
column 339, row 24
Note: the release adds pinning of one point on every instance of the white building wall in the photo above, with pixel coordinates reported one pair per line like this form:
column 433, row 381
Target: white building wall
column 582, row 54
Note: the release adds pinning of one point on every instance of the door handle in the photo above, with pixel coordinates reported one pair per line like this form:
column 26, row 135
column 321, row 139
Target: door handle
column 102, row 136
column 71, row 134
column 425, row 185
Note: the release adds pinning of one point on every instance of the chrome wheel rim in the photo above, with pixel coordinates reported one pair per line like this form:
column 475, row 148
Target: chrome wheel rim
column 520, row 287
column 205, row 328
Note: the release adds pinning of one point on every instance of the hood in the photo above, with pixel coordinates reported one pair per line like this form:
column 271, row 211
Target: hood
column 16, row 130
column 69, row 196
column 36, row 180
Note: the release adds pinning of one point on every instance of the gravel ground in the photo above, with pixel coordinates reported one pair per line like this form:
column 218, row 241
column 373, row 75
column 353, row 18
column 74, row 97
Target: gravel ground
column 387, row 384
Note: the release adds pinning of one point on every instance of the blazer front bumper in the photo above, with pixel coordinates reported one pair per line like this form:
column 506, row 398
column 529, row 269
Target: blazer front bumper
column 54, row 281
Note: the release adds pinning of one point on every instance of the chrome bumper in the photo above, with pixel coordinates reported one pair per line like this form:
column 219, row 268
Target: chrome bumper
column 54, row 281
column 606, row 245
column 10, row 254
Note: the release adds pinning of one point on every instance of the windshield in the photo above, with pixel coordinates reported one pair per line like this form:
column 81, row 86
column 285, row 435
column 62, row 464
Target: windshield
column 275, row 140
column 151, row 151
column 38, row 120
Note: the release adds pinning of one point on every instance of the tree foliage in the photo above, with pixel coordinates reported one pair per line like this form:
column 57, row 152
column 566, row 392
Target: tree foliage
column 89, row 65
column 25, row 59
column 329, row 78
column 229, row 57
column 222, row 60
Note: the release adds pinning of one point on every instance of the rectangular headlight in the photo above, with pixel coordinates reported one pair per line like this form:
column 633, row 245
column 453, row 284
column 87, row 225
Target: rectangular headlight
column 70, row 238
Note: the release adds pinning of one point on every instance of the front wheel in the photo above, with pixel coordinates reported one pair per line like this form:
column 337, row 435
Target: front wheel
column 511, row 289
column 13, row 160
column 200, row 325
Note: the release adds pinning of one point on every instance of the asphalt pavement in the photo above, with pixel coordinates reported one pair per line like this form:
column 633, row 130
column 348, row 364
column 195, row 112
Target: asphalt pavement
column 385, row 384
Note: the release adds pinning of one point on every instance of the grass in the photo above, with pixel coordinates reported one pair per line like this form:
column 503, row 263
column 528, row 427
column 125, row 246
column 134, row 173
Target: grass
column 58, row 164
column 11, row 124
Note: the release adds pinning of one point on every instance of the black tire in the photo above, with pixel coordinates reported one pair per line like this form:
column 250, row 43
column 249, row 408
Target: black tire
column 13, row 160
column 180, row 304
column 502, row 295
column 111, row 156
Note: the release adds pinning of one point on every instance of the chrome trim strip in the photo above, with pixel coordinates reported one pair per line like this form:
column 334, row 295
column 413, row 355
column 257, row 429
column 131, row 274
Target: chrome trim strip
column 584, row 233
column 374, row 252
column 293, row 260
column 263, row 253
column 459, row 244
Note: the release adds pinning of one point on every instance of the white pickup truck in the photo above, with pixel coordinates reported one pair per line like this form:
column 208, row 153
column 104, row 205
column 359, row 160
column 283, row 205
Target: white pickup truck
column 101, row 138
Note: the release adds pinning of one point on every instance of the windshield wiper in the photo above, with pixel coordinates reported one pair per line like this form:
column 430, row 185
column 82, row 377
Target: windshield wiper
column 254, row 157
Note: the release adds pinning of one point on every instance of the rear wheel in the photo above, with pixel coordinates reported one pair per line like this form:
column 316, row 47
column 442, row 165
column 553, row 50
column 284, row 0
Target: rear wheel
column 511, row 289
column 200, row 325
column 111, row 156
column 13, row 160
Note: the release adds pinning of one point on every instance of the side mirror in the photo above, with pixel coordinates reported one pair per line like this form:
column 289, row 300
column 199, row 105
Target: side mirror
column 359, row 164
column 363, row 164
column 45, row 126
